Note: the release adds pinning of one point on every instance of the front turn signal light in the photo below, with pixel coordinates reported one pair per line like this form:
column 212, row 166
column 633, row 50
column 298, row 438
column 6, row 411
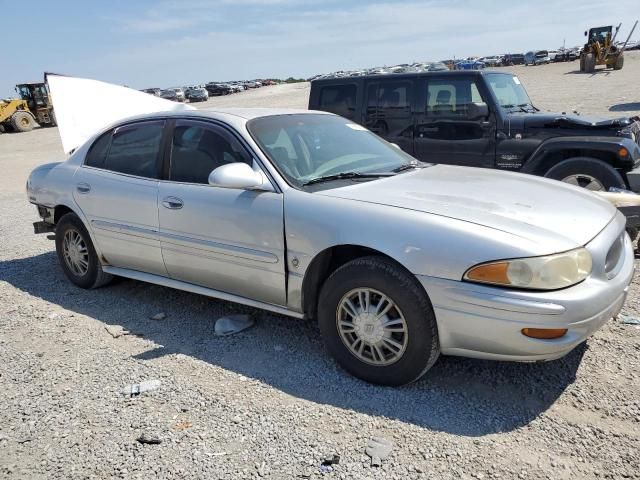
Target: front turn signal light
column 544, row 333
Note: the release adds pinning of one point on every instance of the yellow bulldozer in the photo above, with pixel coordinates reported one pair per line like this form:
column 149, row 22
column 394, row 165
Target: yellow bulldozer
column 601, row 49
column 32, row 108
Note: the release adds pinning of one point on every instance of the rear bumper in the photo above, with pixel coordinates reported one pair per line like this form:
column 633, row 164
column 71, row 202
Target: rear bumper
column 486, row 322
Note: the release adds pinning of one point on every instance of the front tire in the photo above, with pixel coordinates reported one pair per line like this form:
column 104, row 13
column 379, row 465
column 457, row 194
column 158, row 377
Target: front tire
column 590, row 63
column 589, row 173
column 22, row 122
column 377, row 322
column 619, row 62
column 77, row 255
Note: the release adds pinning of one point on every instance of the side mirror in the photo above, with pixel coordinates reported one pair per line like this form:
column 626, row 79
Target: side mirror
column 477, row 110
column 585, row 33
column 240, row 176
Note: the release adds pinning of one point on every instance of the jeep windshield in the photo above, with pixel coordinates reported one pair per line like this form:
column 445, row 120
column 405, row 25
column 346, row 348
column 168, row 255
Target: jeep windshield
column 509, row 92
column 309, row 149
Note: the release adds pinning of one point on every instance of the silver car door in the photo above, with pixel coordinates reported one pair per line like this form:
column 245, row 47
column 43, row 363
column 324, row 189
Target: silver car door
column 227, row 239
column 117, row 191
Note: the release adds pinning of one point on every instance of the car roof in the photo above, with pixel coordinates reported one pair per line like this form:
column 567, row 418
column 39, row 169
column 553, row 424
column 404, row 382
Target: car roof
column 249, row 113
column 233, row 116
column 410, row 75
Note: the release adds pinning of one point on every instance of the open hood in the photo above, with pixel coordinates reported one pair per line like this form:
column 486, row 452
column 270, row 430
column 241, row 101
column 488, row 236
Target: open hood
column 83, row 107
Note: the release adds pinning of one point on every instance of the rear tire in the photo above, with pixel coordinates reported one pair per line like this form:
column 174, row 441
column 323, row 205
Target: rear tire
column 399, row 345
column 22, row 122
column 77, row 255
column 582, row 63
column 619, row 62
column 589, row 63
column 590, row 173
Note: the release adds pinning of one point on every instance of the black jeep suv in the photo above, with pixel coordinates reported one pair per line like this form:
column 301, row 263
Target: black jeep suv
column 486, row 119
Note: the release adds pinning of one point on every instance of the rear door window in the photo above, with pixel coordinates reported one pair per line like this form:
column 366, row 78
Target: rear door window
column 339, row 99
column 130, row 149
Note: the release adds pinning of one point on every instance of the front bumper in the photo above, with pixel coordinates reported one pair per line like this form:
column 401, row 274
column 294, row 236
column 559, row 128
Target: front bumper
column 486, row 322
column 633, row 177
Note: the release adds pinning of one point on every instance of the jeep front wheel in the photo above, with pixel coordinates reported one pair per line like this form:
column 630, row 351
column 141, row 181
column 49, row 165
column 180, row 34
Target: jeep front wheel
column 589, row 173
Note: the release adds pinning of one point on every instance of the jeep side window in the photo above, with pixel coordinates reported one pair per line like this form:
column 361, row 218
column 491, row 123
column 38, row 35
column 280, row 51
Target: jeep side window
column 339, row 99
column 388, row 107
column 451, row 98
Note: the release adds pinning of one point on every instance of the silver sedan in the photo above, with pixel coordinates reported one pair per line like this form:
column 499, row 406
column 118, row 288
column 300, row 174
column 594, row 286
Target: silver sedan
column 309, row 215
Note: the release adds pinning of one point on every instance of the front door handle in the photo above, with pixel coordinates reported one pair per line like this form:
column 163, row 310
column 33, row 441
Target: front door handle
column 173, row 203
column 83, row 187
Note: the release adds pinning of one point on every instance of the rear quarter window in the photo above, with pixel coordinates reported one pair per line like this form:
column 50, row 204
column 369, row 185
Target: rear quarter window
column 98, row 152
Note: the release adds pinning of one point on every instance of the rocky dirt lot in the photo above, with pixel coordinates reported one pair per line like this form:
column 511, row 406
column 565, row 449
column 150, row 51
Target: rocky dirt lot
column 269, row 402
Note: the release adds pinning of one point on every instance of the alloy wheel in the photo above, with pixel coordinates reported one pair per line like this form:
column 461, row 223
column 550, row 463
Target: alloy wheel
column 372, row 326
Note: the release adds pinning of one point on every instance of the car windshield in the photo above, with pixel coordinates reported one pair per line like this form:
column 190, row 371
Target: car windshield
column 307, row 147
column 508, row 90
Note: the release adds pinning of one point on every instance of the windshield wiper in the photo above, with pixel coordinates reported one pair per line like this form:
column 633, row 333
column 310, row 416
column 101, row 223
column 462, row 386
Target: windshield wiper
column 408, row 166
column 345, row 175
column 530, row 108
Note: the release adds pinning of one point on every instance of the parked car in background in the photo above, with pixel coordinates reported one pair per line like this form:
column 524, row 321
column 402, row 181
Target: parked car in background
column 492, row 61
column 197, row 94
column 511, row 59
column 217, row 89
column 309, row 215
column 469, row 65
column 486, row 119
column 539, row 57
column 171, row 94
column 152, row 91
column 179, row 93
column 436, row 67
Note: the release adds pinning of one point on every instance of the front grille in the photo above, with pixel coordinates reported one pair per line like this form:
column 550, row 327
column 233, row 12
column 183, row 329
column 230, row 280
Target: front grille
column 614, row 255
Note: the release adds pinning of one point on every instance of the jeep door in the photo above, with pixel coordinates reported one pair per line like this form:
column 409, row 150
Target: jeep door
column 231, row 240
column 387, row 110
column 445, row 131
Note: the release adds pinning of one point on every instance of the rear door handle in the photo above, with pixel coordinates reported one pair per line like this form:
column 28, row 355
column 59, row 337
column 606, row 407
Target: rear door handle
column 173, row 203
column 83, row 187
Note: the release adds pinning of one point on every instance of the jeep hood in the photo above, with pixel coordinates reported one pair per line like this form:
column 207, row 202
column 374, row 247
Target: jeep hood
column 561, row 120
column 83, row 107
column 547, row 215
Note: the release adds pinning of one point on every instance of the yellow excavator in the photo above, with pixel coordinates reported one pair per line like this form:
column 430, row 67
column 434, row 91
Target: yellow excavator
column 32, row 108
column 601, row 49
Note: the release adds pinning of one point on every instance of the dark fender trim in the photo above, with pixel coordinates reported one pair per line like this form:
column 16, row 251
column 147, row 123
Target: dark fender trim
column 609, row 145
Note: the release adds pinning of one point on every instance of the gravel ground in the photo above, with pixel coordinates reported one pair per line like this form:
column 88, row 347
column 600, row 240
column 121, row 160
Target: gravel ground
column 269, row 402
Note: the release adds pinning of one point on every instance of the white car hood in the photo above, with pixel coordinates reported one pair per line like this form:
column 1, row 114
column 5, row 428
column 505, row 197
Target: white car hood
column 83, row 107
column 552, row 215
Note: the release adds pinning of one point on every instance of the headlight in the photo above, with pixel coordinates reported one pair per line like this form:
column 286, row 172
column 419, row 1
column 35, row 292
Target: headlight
column 538, row 273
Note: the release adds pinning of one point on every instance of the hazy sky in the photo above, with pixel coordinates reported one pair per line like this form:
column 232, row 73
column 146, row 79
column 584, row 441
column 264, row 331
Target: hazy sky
column 166, row 43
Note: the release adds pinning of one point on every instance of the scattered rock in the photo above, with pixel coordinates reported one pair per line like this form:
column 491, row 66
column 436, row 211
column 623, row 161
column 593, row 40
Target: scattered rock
column 149, row 439
column 378, row 448
column 331, row 459
column 232, row 324
column 142, row 387
column 628, row 319
column 116, row 330
column 159, row 316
